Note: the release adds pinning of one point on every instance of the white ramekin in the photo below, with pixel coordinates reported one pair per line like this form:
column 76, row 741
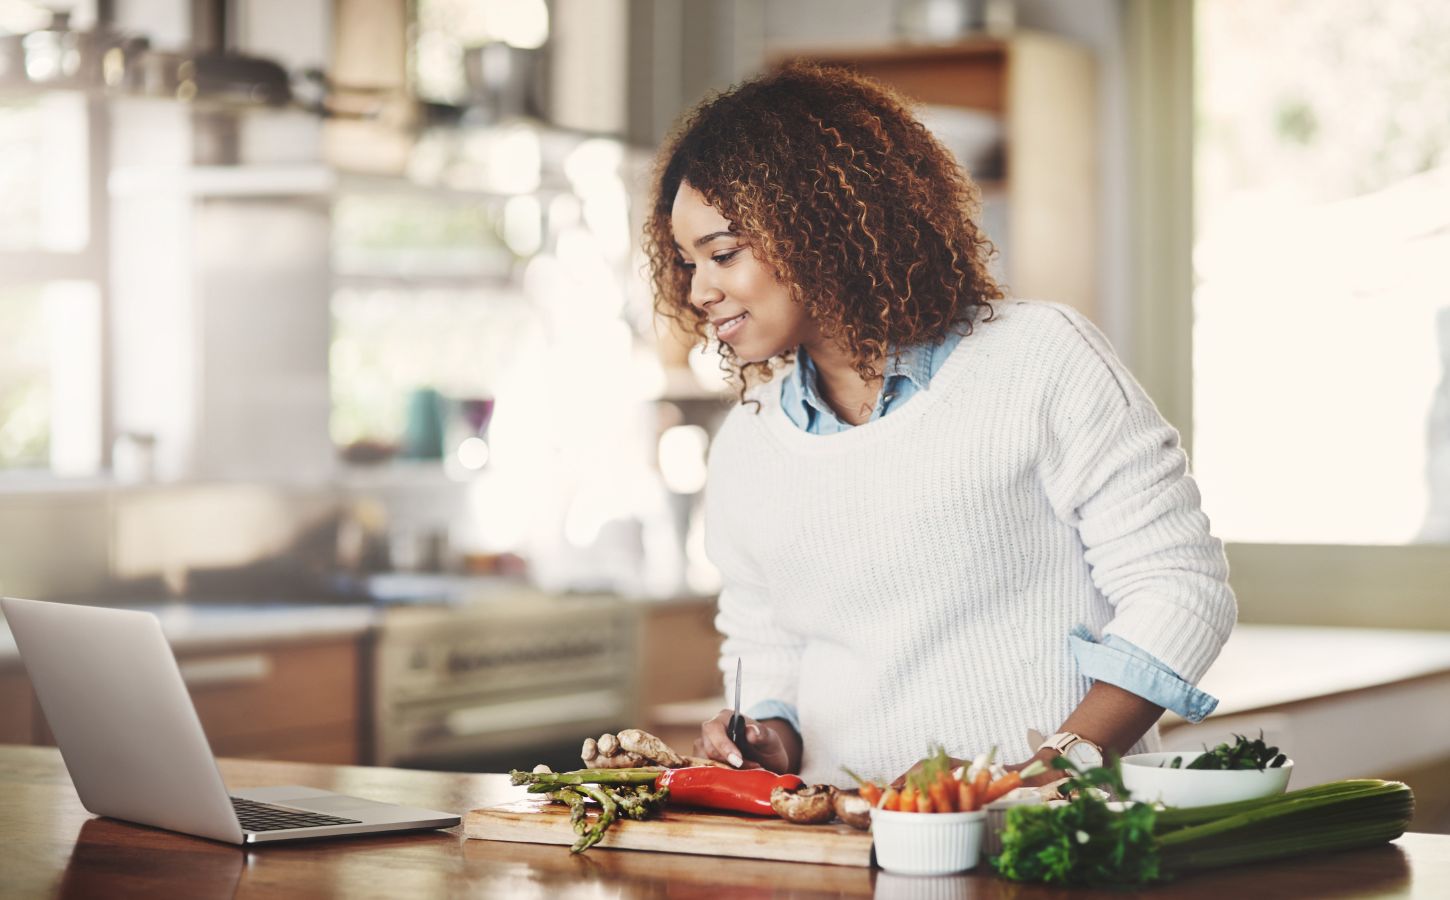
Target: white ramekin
column 909, row 843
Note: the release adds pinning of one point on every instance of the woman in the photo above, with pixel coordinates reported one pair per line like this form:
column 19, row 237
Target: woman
column 954, row 518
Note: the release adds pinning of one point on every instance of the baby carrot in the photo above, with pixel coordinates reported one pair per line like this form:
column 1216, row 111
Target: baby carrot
column 1011, row 781
column 941, row 800
column 871, row 792
column 966, row 797
column 907, row 801
column 923, row 799
column 982, row 783
column 891, row 799
column 949, row 786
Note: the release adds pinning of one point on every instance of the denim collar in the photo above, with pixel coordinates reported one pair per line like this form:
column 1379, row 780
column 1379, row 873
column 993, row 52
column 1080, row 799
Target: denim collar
column 800, row 393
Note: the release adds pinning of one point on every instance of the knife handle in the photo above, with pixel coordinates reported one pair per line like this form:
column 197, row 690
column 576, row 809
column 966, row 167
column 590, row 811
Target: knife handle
column 736, row 730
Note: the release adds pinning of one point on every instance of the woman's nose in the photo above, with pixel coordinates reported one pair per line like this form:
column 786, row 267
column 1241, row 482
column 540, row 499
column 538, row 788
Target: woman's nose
column 703, row 293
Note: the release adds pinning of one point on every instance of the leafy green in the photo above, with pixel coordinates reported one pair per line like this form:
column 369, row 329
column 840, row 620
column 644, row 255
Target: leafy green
column 1086, row 842
column 1083, row 842
column 1244, row 754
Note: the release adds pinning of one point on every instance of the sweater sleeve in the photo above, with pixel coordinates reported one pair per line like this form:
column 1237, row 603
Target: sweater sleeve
column 1114, row 471
column 747, row 619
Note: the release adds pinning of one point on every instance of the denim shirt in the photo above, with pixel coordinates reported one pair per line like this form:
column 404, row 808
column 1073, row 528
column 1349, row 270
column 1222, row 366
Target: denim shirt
column 1109, row 658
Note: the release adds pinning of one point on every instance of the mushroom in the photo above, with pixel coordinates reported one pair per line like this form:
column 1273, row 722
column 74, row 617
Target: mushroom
column 851, row 808
column 805, row 805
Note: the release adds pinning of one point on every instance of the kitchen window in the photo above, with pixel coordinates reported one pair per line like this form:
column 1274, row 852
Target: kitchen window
column 1295, row 324
column 51, row 299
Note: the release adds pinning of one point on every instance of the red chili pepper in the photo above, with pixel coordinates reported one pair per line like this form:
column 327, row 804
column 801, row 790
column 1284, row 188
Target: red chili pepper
column 714, row 787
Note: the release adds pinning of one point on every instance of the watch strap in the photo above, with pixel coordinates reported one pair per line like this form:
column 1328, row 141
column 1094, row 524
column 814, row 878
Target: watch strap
column 1066, row 739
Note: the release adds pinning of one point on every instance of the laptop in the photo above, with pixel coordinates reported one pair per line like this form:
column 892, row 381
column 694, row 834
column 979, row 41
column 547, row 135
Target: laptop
column 114, row 699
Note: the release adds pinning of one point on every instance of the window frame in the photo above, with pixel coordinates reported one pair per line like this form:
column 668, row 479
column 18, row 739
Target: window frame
column 1403, row 586
column 91, row 263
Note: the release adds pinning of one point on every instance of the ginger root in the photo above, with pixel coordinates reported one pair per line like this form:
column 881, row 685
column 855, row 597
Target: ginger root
column 634, row 748
column 595, row 758
column 650, row 747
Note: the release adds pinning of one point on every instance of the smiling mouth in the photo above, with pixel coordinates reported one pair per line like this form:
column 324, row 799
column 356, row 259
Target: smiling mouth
column 726, row 327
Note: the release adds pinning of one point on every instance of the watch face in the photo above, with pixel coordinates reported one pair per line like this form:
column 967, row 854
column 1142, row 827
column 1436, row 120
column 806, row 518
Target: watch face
column 1085, row 755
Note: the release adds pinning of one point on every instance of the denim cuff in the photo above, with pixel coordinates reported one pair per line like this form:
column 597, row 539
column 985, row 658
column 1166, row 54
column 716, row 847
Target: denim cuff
column 1123, row 664
column 775, row 709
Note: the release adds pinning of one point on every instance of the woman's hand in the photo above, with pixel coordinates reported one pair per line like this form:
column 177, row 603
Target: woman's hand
column 900, row 781
column 766, row 744
column 1048, row 777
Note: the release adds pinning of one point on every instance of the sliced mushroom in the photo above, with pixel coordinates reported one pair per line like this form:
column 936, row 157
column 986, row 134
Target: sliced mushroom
column 851, row 808
column 805, row 805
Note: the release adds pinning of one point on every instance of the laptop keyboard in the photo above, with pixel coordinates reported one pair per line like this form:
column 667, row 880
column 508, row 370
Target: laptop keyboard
column 256, row 816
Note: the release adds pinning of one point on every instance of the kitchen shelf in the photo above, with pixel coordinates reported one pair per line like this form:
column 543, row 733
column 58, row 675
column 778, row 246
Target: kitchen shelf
column 362, row 183
column 1044, row 89
column 226, row 181
column 415, row 280
column 22, row 92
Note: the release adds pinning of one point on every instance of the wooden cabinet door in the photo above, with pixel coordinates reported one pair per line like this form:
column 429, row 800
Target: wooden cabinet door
column 17, row 709
column 289, row 701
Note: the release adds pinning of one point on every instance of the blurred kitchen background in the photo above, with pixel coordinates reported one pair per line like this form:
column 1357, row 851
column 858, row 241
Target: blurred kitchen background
column 324, row 334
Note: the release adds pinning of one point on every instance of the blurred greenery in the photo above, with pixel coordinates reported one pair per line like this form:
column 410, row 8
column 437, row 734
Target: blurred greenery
column 1337, row 97
column 24, row 381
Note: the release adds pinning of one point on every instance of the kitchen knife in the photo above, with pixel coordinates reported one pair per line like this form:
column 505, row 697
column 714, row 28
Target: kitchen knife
column 736, row 729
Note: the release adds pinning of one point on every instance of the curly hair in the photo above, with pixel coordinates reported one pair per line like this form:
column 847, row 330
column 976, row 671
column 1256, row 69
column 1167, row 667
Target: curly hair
column 861, row 213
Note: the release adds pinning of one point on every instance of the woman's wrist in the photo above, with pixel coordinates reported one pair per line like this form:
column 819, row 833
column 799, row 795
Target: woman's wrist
column 790, row 742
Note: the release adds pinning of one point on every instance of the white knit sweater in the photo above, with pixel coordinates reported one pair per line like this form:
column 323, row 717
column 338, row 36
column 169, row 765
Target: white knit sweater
column 913, row 580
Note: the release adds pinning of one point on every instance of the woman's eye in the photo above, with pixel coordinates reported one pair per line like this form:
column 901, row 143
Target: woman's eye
column 687, row 266
column 726, row 256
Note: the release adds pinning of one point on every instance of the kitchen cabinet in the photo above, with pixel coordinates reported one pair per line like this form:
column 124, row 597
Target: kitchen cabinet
column 295, row 702
column 290, row 700
column 1041, row 204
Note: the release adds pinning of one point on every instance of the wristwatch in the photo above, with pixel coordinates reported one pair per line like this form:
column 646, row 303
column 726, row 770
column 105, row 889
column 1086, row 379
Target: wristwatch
column 1083, row 752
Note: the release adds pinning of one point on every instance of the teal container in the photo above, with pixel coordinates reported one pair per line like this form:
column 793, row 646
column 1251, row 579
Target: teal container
column 423, row 429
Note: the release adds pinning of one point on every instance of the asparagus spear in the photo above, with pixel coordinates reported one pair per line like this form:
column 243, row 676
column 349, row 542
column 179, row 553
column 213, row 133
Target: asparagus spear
column 586, row 776
column 576, row 806
column 608, row 810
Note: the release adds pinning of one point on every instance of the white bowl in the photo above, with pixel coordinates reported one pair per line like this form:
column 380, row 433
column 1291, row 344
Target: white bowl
column 1145, row 776
column 910, row 843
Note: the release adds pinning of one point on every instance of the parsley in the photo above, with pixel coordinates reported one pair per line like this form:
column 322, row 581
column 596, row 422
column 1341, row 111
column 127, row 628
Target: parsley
column 1082, row 842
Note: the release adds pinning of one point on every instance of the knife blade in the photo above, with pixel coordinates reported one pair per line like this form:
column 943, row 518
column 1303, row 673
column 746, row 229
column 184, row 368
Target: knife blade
column 736, row 729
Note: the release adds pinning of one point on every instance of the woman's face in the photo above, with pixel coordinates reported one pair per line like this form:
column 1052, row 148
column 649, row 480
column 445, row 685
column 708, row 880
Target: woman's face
column 747, row 307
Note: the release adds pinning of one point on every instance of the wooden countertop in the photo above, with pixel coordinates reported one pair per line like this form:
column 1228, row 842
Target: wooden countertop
column 50, row 846
column 1266, row 666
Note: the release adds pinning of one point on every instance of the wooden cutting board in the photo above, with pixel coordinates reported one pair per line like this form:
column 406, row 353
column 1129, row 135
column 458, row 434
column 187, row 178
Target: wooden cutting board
column 537, row 821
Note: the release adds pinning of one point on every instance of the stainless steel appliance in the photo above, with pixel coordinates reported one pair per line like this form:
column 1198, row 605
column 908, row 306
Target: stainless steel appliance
column 499, row 679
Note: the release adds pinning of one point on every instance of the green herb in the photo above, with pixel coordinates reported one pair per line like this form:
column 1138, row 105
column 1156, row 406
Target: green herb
column 1085, row 842
column 1244, row 754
